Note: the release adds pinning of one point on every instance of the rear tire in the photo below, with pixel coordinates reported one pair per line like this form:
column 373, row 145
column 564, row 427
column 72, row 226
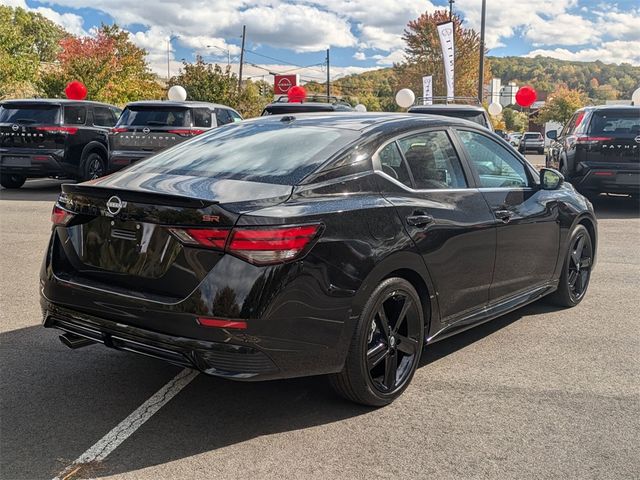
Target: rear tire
column 576, row 270
column 386, row 346
column 94, row 167
column 12, row 181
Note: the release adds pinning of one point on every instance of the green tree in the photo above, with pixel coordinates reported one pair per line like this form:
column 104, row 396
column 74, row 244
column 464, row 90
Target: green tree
column 112, row 67
column 561, row 105
column 27, row 42
column 424, row 56
column 514, row 120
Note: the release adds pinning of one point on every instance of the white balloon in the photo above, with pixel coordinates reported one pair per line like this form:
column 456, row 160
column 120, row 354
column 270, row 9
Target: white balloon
column 635, row 97
column 360, row 108
column 177, row 94
column 405, row 98
column 495, row 109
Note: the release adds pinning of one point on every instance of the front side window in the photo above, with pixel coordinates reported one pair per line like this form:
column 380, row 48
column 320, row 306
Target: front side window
column 496, row 166
column 201, row 117
column 75, row 115
column 235, row 116
column 432, row 161
column 392, row 164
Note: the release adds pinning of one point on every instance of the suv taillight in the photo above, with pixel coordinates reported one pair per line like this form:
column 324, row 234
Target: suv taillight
column 65, row 130
column 115, row 131
column 187, row 132
column 592, row 140
column 259, row 246
column 60, row 216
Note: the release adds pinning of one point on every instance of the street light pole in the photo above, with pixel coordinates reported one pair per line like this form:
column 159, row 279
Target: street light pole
column 328, row 78
column 481, row 66
column 451, row 2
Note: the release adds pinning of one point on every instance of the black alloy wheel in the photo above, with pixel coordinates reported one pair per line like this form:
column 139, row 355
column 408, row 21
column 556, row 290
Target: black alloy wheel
column 12, row 181
column 94, row 167
column 576, row 273
column 386, row 348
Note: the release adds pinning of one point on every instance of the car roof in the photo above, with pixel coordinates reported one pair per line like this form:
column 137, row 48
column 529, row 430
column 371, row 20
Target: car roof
column 610, row 107
column 53, row 101
column 365, row 121
column 450, row 106
column 173, row 103
column 325, row 105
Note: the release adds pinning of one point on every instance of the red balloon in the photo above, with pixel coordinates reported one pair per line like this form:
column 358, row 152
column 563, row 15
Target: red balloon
column 296, row 94
column 75, row 90
column 526, row 96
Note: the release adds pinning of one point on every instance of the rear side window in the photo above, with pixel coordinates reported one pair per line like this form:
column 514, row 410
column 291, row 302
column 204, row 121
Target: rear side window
column 104, row 117
column 432, row 161
column 615, row 122
column 471, row 115
column 222, row 116
column 155, row 116
column 29, row 114
column 270, row 153
column 392, row 164
column 201, row 117
column 75, row 115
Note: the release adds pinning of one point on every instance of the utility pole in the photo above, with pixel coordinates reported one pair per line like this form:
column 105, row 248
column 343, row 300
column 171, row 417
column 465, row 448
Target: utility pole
column 328, row 78
column 481, row 66
column 451, row 2
column 244, row 34
column 168, row 65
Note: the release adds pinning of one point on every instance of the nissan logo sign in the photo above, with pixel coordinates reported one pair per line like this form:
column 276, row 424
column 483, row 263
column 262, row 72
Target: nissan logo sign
column 15, row 127
column 114, row 205
column 637, row 139
column 284, row 84
column 146, row 130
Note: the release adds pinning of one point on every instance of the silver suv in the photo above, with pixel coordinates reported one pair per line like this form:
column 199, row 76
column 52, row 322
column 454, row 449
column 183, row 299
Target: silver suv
column 531, row 141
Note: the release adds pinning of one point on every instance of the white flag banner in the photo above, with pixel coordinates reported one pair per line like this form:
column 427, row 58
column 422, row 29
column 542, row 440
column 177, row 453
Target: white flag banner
column 427, row 90
column 445, row 32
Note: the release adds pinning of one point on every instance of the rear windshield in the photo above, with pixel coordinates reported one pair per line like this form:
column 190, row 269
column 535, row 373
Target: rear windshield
column 268, row 153
column 26, row 114
column 471, row 115
column 532, row 135
column 155, row 117
column 616, row 121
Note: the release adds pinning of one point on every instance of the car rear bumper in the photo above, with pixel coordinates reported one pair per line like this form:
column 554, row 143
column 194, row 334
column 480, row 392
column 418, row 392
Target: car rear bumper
column 121, row 158
column 609, row 178
column 32, row 163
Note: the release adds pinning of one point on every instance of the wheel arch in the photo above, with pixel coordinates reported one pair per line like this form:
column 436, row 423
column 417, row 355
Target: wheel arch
column 94, row 147
column 590, row 224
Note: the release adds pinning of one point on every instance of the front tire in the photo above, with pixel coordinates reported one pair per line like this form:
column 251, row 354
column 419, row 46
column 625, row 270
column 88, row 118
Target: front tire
column 576, row 271
column 386, row 346
column 12, row 181
column 94, row 167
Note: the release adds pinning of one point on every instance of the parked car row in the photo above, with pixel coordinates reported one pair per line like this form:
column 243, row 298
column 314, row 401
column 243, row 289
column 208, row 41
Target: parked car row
column 84, row 140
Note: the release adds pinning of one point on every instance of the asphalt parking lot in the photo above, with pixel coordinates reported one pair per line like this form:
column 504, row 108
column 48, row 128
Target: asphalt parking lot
column 541, row 393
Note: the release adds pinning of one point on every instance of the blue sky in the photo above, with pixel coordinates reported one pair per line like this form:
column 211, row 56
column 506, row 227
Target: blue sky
column 362, row 34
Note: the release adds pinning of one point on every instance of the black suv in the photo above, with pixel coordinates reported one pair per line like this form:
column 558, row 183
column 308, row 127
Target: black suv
column 598, row 150
column 147, row 127
column 314, row 103
column 53, row 138
column 449, row 108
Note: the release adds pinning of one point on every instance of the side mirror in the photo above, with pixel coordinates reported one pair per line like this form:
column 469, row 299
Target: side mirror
column 550, row 179
column 552, row 134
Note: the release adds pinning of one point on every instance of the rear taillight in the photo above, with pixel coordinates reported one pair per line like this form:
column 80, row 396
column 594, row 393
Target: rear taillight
column 221, row 323
column 592, row 140
column 60, row 216
column 115, row 131
column 186, row 132
column 259, row 246
column 65, row 130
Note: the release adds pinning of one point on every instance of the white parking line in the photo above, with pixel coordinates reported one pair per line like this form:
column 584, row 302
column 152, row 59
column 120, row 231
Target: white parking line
column 107, row 444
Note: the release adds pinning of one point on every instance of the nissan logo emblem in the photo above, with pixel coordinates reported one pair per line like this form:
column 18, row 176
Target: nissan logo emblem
column 284, row 84
column 637, row 139
column 146, row 130
column 114, row 205
column 15, row 127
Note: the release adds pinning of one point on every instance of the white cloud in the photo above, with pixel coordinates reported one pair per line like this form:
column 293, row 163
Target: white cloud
column 396, row 56
column 616, row 51
column 69, row 21
column 562, row 29
column 359, row 56
column 619, row 25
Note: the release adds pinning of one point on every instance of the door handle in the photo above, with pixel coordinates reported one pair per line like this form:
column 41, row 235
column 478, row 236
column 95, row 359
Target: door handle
column 419, row 219
column 504, row 215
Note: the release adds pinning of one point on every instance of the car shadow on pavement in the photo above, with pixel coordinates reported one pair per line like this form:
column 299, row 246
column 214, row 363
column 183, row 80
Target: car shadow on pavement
column 616, row 207
column 44, row 190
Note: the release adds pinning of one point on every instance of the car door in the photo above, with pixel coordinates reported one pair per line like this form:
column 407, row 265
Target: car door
column 447, row 218
column 528, row 229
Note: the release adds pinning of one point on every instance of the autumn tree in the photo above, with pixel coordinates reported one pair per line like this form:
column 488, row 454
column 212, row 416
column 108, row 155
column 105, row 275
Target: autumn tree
column 112, row 67
column 514, row 120
column 28, row 41
column 424, row 56
column 561, row 105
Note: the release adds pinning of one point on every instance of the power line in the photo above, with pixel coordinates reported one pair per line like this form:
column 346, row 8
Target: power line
column 283, row 61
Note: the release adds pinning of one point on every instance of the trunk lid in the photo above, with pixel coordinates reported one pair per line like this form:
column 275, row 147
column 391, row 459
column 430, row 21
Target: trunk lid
column 31, row 125
column 120, row 238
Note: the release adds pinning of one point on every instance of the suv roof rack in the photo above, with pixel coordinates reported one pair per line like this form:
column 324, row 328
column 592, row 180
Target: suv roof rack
column 442, row 100
column 315, row 98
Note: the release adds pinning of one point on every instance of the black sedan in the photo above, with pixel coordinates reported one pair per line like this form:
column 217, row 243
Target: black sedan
column 313, row 244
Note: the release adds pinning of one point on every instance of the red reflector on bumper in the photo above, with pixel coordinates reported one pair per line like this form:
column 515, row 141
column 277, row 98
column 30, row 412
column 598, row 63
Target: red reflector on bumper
column 604, row 174
column 222, row 323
